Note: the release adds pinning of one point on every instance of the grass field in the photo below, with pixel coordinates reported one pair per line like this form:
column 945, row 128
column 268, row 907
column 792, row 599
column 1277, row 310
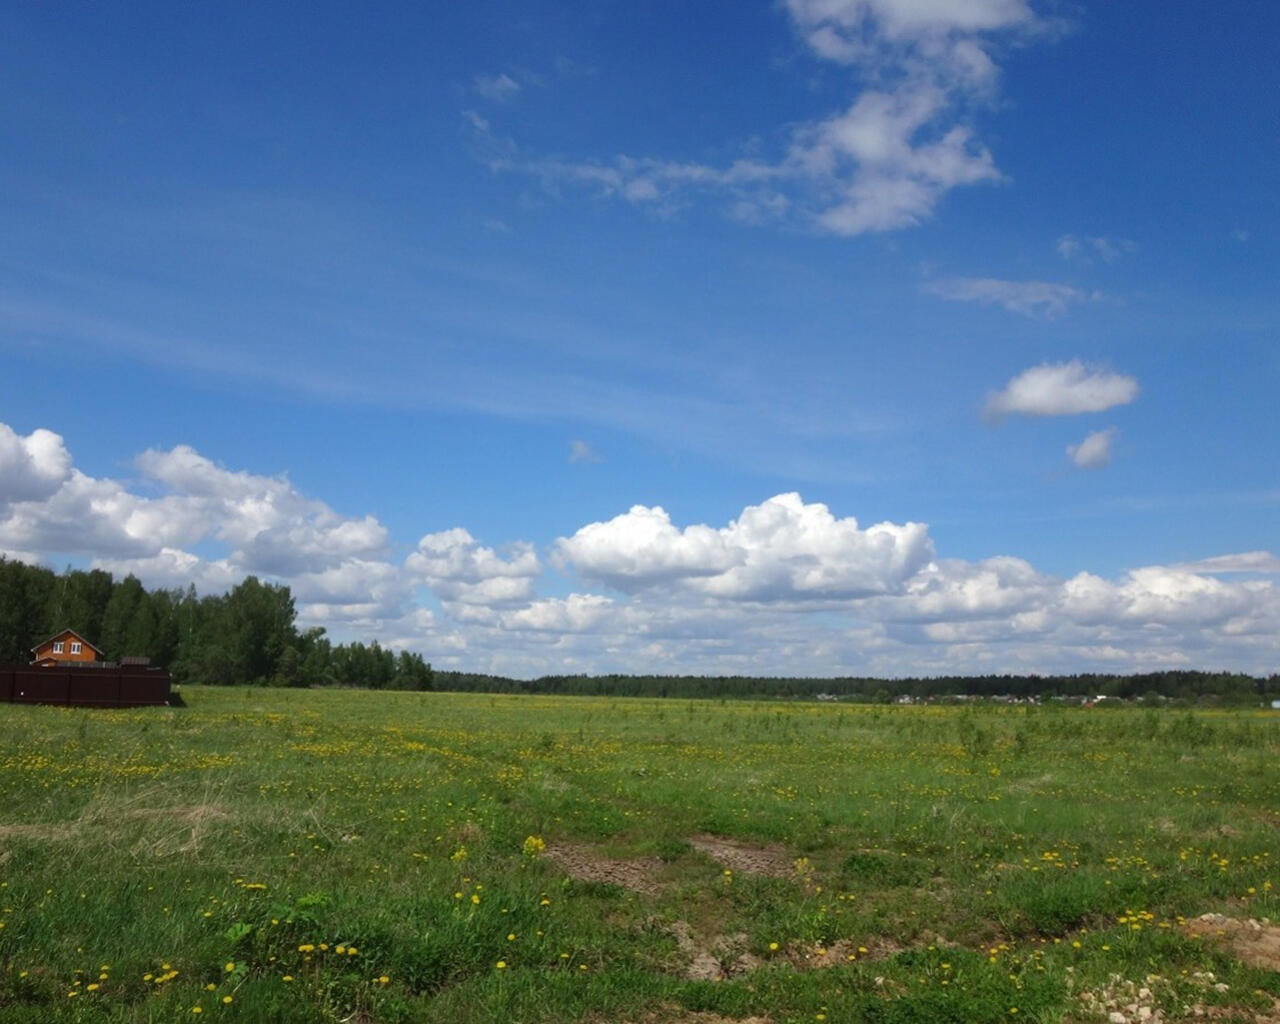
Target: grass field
column 368, row 857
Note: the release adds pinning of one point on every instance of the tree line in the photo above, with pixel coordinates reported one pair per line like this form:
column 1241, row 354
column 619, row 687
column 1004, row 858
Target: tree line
column 1177, row 685
column 248, row 635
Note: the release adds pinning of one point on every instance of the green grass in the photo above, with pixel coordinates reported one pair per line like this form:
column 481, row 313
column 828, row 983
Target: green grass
column 961, row 864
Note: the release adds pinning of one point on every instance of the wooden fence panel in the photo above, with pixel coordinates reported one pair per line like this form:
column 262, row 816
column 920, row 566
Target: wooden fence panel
column 84, row 687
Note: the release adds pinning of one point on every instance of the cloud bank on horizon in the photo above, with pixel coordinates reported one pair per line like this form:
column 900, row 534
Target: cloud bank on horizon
column 787, row 587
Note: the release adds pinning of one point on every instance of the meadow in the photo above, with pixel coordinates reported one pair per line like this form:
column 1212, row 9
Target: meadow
column 290, row 855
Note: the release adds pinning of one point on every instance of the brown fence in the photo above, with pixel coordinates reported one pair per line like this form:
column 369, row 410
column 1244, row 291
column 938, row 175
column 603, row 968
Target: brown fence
column 85, row 687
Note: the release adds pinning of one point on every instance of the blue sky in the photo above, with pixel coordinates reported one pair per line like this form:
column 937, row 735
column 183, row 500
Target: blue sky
column 504, row 331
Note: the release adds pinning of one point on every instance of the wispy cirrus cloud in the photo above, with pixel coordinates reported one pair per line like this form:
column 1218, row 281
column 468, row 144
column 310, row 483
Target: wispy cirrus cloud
column 1245, row 561
column 1041, row 299
column 882, row 163
column 582, row 453
column 1086, row 248
column 1062, row 389
column 498, row 88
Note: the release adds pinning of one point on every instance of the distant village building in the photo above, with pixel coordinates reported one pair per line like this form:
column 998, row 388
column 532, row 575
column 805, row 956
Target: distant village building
column 66, row 648
column 68, row 669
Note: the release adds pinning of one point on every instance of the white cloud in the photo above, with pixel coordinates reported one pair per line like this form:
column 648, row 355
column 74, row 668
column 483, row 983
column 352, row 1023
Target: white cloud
column 1030, row 298
column 780, row 550
column 882, row 163
column 786, row 587
column 1245, row 561
column 581, row 452
column 31, row 467
column 1084, row 249
column 457, row 568
column 641, row 548
column 176, row 569
column 1094, row 451
column 275, row 529
column 578, row 613
column 1062, row 389
column 498, row 88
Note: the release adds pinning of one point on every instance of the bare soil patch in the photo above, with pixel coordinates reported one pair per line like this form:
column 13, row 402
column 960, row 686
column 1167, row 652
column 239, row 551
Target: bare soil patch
column 772, row 861
column 713, row 959
column 1257, row 943
column 817, row 956
column 639, row 874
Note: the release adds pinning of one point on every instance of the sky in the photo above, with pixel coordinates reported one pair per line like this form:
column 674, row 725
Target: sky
column 804, row 337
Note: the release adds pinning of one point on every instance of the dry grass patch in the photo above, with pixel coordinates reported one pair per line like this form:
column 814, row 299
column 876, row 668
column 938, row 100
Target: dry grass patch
column 165, row 830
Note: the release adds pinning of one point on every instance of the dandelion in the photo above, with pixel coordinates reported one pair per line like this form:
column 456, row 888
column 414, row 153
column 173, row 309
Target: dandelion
column 501, row 965
column 226, row 999
column 383, row 979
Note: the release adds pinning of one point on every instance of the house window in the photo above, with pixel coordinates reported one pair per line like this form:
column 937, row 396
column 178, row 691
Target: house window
column 57, row 647
column 75, row 646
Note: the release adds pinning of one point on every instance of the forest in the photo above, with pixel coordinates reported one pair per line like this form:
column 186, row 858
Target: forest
column 250, row 636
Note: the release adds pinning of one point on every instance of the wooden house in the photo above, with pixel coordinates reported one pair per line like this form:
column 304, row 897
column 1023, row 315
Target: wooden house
column 66, row 648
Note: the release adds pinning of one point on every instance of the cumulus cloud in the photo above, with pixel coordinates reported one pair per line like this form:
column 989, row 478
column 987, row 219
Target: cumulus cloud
column 1062, row 389
column 785, row 587
column 274, row 528
column 780, row 550
column 1094, row 451
column 577, row 613
column 1030, row 298
column 31, row 467
column 454, row 565
column 883, row 162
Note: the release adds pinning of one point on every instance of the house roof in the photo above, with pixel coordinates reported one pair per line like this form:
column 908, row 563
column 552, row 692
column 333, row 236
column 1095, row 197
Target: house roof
column 67, row 632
